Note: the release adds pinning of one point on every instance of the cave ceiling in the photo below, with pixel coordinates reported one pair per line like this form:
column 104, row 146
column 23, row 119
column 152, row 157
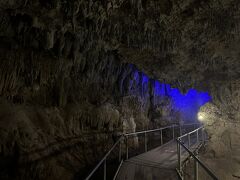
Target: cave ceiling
column 188, row 43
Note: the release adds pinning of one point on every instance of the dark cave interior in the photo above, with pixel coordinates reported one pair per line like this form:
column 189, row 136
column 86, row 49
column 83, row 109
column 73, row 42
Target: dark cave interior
column 75, row 73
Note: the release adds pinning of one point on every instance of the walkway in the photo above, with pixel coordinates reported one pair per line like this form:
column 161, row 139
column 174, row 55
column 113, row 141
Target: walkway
column 159, row 163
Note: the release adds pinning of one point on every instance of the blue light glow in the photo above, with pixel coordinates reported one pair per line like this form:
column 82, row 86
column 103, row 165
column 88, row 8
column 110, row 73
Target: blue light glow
column 159, row 89
column 187, row 104
column 144, row 83
column 134, row 82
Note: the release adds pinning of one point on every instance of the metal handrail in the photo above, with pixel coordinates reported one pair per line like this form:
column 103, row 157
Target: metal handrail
column 196, row 160
column 148, row 131
column 120, row 165
column 190, row 133
column 145, row 132
column 103, row 160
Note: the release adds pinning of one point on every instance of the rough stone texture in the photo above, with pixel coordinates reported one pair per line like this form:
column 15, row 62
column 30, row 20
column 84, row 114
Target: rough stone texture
column 65, row 63
column 60, row 113
column 222, row 151
column 56, row 120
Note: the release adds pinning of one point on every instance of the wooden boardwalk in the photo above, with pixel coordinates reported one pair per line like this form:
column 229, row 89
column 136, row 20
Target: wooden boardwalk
column 157, row 164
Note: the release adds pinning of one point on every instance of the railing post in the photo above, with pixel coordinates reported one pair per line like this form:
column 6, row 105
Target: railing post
column 179, row 155
column 120, row 151
column 105, row 169
column 198, row 163
column 145, row 141
column 161, row 137
column 196, row 168
column 173, row 132
column 189, row 141
column 180, row 130
column 197, row 137
column 126, row 147
column 203, row 136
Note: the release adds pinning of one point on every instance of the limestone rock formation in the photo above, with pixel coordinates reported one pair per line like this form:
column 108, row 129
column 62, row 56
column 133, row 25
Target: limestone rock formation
column 222, row 151
column 67, row 76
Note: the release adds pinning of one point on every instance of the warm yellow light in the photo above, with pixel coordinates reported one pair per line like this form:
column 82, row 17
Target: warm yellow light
column 200, row 117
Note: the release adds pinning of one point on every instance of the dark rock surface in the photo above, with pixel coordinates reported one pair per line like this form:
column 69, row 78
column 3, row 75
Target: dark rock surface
column 67, row 79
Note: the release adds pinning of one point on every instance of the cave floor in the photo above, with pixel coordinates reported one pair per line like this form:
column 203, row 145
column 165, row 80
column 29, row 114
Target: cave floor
column 157, row 164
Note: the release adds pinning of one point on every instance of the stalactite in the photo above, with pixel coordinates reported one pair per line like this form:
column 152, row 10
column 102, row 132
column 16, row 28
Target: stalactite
column 65, row 54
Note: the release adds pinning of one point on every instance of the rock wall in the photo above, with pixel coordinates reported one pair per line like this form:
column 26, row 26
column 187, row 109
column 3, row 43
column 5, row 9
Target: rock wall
column 66, row 76
column 222, row 150
column 58, row 116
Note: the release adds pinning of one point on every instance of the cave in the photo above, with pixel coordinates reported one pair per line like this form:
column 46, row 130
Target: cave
column 77, row 75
